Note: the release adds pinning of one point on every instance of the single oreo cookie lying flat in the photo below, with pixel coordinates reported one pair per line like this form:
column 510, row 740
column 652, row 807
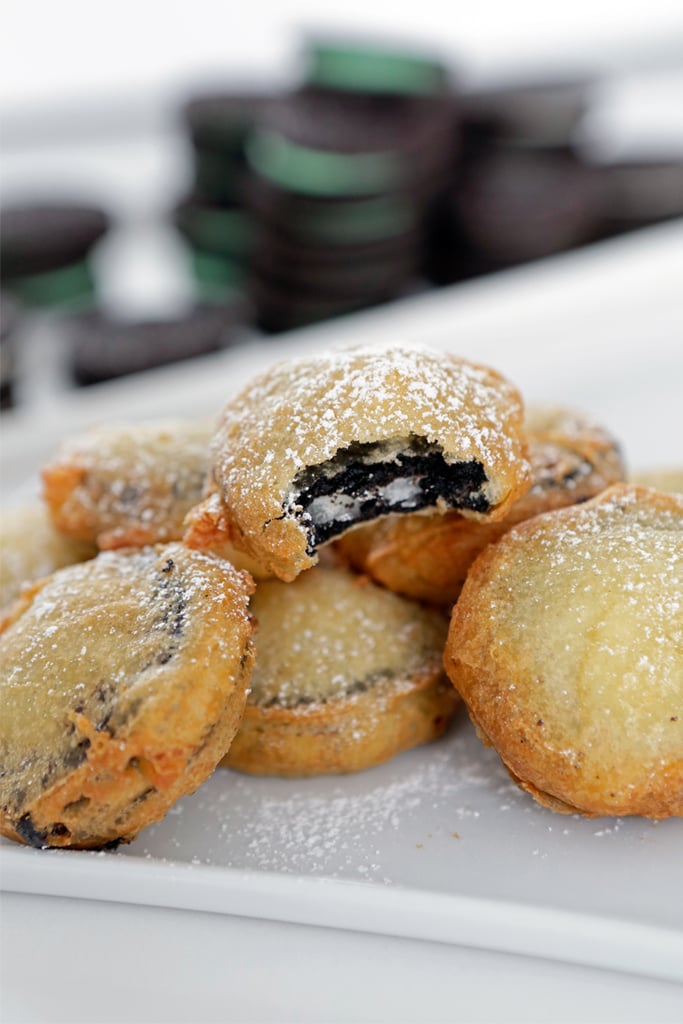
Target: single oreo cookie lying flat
column 102, row 348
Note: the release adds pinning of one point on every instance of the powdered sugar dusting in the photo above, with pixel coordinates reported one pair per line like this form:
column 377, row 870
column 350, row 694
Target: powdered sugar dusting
column 130, row 482
column 303, row 412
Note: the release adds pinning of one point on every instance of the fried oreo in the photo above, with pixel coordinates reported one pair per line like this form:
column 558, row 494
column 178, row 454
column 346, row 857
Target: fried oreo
column 566, row 645
column 319, row 444
column 128, row 484
column 122, row 683
column 31, row 547
column 347, row 676
column 427, row 556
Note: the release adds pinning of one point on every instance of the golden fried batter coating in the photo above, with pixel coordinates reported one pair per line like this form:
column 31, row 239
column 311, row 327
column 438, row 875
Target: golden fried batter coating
column 347, row 676
column 122, row 683
column 427, row 555
column 317, row 444
column 31, row 547
column 128, row 484
column 567, row 646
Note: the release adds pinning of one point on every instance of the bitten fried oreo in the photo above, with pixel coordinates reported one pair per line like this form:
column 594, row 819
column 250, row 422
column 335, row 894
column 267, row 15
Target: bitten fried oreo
column 566, row 645
column 122, row 683
column 128, row 484
column 347, row 676
column 318, row 444
column 31, row 547
column 427, row 556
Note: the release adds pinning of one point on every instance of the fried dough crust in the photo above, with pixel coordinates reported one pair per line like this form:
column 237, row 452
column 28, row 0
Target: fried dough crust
column 301, row 415
column 123, row 681
column 347, row 676
column 427, row 556
column 128, row 484
column 566, row 645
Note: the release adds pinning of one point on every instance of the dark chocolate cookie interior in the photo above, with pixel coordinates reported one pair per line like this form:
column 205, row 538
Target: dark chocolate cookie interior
column 365, row 481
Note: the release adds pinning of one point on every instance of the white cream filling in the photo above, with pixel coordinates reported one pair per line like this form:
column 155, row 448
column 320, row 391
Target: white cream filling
column 403, row 492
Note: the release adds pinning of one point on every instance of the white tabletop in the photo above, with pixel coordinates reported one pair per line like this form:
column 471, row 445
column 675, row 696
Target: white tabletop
column 601, row 329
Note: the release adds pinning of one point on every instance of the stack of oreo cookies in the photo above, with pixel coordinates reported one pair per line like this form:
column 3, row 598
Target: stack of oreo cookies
column 212, row 219
column 341, row 173
column 524, row 190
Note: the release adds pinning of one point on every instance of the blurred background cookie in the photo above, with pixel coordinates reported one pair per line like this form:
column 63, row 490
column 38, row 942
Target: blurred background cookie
column 45, row 252
column 102, row 347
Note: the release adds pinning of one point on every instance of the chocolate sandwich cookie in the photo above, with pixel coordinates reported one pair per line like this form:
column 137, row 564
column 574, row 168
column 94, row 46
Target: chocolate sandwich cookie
column 317, row 445
column 357, row 66
column 275, row 251
column 122, row 683
column 316, row 144
column 640, row 192
column 45, row 250
column 333, row 222
column 534, row 113
column 516, row 204
column 219, row 238
column 280, row 307
column 347, row 676
column 355, row 272
column 102, row 347
column 218, row 125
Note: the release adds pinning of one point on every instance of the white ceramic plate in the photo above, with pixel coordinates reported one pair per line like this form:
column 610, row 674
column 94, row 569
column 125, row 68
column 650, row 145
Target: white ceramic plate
column 437, row 844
